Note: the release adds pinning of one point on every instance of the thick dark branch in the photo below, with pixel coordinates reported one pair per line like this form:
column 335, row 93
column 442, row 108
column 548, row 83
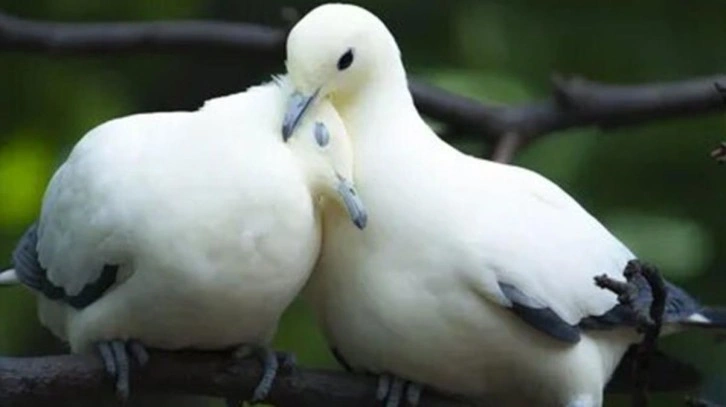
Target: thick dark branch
column 41, row 381
column 574, row 103
column 161, row 36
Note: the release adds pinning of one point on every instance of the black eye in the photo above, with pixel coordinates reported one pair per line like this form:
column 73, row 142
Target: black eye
column 345, row 61
column 322, row 136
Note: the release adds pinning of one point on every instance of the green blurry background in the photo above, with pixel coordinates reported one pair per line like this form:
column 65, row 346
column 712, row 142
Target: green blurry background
column 653, row 186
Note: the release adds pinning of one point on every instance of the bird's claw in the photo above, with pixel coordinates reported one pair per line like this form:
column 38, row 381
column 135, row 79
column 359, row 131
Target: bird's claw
column 117, row 356
column 272, row 362
column 391, row 391
column 287, row 361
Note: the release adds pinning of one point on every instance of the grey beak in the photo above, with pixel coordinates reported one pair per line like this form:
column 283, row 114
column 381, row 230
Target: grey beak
column 353, row 203
column 297, row 105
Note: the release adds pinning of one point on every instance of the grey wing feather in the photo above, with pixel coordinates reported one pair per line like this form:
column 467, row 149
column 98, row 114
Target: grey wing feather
column 32, row 274
column 680, row 307
column 27, row 267
column 540, row 316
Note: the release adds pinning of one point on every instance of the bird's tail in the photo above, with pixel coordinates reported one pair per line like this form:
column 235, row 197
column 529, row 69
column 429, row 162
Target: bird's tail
column 707, row 318
column 9, row 277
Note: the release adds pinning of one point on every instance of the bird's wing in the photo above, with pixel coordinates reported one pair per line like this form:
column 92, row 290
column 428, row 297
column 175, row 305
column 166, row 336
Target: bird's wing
column 539, row 315
column 544, row 251
column 559, row 248
column 74, row 251
column 32, row 274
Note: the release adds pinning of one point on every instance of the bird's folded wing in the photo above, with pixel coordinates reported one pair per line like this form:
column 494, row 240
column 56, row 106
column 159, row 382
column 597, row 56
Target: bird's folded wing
column 72, row 253
column 32, row 274
column 539, row 315
column 543, row 251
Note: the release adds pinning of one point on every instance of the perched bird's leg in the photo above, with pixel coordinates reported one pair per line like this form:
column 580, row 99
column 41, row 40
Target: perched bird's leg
column 117, row 356
column 413, row 393
column 139, row 352
column 287, row 361
column 384, row 386
column 391, row 390
column 271, row 363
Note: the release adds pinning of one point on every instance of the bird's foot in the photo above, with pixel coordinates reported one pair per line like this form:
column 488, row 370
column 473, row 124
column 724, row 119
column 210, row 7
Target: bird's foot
column 117, row 356
column 272, row 362
column 395, row 392
column 639, row 276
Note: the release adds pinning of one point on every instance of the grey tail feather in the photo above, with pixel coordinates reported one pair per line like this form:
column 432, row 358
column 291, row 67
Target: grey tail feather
column 9, row 277
column 708, row 317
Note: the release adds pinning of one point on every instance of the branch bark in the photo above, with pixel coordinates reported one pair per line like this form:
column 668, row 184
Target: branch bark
column 18, row 34
column 574, row 103
column 40, row 381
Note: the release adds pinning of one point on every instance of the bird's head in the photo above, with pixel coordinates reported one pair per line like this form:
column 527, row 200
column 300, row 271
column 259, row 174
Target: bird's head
column 335, row 52
column 324, row 151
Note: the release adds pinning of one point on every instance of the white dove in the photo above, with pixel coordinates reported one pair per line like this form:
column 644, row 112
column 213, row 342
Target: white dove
column 473, row 277
column 185, row 229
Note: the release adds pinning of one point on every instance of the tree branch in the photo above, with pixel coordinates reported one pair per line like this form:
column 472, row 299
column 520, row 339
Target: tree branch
column 161, row 36
column 575, row 102
column 44, row 380
column 506, row 147
column 719, row 153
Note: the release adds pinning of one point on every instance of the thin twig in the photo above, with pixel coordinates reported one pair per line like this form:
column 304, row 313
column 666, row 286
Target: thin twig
column 650, row 320
column 506, row 148
column 576, row 102
column 721, row 88
column 719, row 153
column 649, row 343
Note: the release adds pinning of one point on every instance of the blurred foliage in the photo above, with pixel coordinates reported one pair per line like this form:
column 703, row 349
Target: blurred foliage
column 653, row 185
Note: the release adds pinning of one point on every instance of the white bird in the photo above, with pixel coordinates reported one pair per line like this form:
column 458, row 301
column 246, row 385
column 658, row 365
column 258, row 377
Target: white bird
column 473, row 277
column 185, row 229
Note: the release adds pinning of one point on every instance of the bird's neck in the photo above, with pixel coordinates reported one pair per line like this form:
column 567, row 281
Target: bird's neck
column 383, row 118
column 373, row 110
